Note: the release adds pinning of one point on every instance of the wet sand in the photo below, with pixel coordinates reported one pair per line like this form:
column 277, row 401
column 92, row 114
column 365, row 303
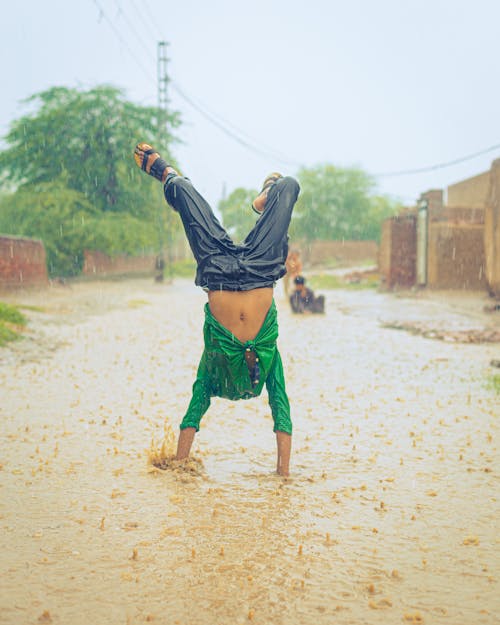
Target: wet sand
column 391, row 514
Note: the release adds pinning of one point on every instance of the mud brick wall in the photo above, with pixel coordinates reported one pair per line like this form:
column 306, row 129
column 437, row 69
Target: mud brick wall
column 461, row 215
column 456, row 258
column 22, row 263
column 472, row 192
column 320, row 253
column 99, row 264
column 435, row 206
column 492, row 231
column 398, row 251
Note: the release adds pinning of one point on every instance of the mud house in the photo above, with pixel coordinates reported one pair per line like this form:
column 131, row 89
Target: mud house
column 452, row 245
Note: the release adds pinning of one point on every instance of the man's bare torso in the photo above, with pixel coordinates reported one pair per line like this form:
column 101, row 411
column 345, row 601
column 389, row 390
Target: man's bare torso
column 241, row 312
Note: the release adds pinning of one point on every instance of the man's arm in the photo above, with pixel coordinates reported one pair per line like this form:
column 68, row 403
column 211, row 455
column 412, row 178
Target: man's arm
column 278, row 400
column 200, row 399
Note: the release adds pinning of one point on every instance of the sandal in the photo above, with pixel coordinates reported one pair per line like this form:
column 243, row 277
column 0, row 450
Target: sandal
column 154, row 167
column 259, row 203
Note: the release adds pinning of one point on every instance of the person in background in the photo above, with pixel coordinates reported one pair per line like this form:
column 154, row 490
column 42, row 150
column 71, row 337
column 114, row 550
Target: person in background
column 303, row 299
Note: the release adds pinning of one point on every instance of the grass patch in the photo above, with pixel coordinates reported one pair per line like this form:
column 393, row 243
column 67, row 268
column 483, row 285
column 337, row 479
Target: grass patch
column 494, row 382
column 6, row 334
column 329, row 281
column 32, row 308
column 11, row 321
column 137, row 303
column 12, row 314
column 182, row 269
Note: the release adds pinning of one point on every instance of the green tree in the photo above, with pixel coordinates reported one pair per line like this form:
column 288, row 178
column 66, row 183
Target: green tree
column 237, row 215
column 338, row 203
column 73, row 182
column 90, row 135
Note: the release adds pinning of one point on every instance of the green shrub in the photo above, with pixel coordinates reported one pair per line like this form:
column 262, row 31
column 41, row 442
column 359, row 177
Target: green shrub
column 11, row 314
column 6, row 334
column 494, row 382
column 10, row 317
column 184, row 268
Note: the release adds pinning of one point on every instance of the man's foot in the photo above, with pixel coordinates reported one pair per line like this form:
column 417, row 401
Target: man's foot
column 259, row 203
column 151, row 162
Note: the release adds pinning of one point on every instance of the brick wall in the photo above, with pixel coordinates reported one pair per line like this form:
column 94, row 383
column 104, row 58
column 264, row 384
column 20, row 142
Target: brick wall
column 398, row 251
column 318, row 253
column 472, row 192
column 459, row 215
column 22, row 262
column 492, row 231
column 99, row 264
column 456, row 258
column 435, row 206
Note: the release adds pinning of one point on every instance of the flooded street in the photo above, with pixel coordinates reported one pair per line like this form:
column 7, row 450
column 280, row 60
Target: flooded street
column 391, row 514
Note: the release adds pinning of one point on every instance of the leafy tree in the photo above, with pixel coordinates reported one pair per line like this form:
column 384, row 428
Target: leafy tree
column 75, row 185
column 91, row 136
column 333, row 204
column 237, row 214
column 337, row 203
column 381, row 207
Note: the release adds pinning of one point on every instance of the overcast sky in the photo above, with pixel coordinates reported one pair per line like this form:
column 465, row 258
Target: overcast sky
column 386, row 85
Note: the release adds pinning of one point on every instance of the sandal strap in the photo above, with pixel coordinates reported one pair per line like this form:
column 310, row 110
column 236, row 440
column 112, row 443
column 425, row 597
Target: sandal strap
column 157, row 168
column 145, row 158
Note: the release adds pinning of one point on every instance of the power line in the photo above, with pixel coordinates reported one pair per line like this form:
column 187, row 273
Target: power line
column 238, row 131
column 122, row 13
column 422, row 170
column 212, row 118
column 122, row 40
column 235, row 133
column 154, row 18
column 140, row 12
column 222, row 125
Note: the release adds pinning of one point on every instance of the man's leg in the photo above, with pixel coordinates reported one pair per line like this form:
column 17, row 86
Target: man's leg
column 264, row 251
column 203, row 230
column 208, row 239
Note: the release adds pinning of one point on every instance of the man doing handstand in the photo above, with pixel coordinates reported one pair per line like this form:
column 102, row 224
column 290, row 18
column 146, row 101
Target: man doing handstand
column 241, row 328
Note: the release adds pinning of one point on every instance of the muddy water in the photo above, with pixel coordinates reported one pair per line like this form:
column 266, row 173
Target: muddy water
column 391, row 514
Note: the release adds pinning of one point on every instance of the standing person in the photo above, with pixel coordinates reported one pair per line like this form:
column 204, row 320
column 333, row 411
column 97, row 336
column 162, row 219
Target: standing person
column 240, row 331
column 293, row 266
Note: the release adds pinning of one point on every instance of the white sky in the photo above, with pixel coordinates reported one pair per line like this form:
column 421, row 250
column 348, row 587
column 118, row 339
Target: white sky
column 381, row 84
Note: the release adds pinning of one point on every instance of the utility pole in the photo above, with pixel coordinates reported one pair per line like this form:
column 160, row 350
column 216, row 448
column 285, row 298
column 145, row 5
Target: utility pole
column 162, row 86
column 161, row 130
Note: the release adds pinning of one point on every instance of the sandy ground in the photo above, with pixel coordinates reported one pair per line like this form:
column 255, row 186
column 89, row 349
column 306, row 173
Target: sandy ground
column 391, row 514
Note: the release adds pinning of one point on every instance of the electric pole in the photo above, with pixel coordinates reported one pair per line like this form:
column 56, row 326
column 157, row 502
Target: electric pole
column 161, row 130
column 162, row 87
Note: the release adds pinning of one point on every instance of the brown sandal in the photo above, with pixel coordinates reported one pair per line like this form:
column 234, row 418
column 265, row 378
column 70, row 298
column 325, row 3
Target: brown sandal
column 155, row 167
column 259, row 203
